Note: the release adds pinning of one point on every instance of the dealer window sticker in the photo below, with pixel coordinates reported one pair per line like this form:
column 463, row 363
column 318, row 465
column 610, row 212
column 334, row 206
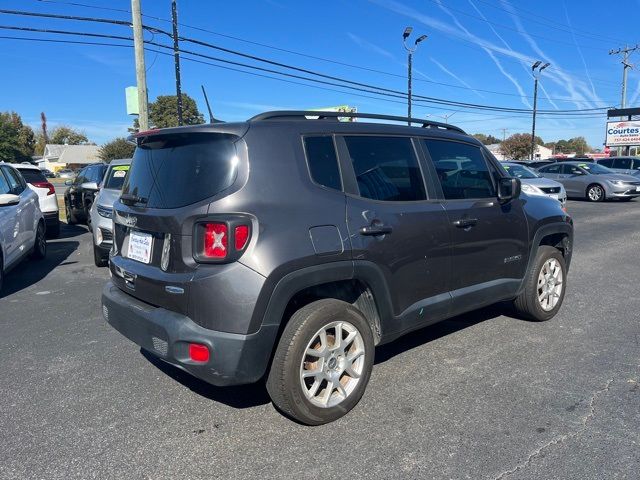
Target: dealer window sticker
column 119, row 173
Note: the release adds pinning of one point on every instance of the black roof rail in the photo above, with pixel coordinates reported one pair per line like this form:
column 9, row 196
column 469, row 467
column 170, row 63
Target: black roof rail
column 300, row 114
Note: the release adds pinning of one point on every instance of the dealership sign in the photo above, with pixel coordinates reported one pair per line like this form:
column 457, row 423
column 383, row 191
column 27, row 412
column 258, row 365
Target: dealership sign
column 623, row 133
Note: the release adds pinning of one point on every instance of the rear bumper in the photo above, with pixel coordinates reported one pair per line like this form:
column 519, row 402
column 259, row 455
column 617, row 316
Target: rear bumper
column 50, row 218
column 234, row 358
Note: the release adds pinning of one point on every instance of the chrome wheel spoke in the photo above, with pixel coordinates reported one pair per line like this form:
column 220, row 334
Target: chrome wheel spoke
column 332, row 364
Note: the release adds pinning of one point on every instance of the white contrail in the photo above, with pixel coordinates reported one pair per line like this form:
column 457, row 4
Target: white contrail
column 456, row 77
column 636, row 95
column 370, row 46
column 573, row 35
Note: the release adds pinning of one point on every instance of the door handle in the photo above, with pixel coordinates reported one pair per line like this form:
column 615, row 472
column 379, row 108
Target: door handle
column 465, row 222
column 375, row 229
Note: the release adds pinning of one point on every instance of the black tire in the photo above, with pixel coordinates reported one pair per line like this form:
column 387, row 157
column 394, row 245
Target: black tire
column 40, row 246
column 527, row 304
column 284, row 382
column 53, row 231
column 99, row 257
column 87, row 215
column 596, row 193
column 71, row 218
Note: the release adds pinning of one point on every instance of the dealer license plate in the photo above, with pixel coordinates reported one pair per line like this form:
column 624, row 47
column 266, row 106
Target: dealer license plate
column 140, row 245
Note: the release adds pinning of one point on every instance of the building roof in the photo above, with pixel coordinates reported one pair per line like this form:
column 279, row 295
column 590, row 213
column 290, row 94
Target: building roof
column 71, row 154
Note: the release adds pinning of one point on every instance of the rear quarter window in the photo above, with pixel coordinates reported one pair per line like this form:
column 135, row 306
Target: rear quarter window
column 172, row 171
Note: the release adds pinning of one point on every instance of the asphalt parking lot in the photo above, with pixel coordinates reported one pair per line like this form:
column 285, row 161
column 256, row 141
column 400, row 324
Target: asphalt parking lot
column 482, row 396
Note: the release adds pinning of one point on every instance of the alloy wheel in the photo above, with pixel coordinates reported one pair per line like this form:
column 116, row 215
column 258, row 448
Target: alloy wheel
column 332, row 364
column 550, row 284
column 595, row 193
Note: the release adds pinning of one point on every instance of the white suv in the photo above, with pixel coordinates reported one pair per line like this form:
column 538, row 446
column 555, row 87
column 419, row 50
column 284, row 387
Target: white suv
column 46, row 196
column 22, row 227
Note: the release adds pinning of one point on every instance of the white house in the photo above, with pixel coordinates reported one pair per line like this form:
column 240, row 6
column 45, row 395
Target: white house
column 541, row 152
column 57, row 157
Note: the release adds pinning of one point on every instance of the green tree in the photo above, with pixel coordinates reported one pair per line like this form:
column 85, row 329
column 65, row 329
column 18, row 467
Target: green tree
column 518, row 146
column 577, row 145
column 163, row 112
column 116, row 149
column 16, row 139
column 64, row 135
column 486, row 139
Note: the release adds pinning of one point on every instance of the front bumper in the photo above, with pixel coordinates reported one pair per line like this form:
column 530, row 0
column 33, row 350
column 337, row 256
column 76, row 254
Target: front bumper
column 234, row 358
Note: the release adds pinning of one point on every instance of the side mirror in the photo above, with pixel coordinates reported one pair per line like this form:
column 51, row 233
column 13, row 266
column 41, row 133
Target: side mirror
column 89, row 186
column 8, row 199
column 509, row 189
column 68, row 182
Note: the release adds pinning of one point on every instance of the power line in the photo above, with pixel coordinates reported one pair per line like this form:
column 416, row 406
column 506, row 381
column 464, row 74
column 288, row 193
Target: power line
column 168, row 54
column 350, row 83
column 372, row 70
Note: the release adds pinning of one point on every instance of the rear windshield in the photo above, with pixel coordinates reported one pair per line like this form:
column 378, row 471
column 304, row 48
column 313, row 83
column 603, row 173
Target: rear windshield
column 31, row 175
column 172, row 171
column 115, row 177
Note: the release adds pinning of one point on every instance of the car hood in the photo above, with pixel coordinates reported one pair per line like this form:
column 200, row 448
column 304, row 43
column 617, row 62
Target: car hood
column 541, row 182
column 107, row 197
column 618, row 177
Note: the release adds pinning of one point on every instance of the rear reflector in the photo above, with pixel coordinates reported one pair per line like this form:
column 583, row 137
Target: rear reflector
column 241, row 236
column 215, row 240
column 198, row 352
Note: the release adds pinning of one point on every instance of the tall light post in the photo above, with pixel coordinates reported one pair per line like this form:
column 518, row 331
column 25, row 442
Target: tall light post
column 410, row 50
column 535, row 101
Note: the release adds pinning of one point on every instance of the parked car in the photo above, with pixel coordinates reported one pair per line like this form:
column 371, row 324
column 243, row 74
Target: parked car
column 46, row 197
column 592, row 181
column 65, row 173
column 625, row 165
column 289, row 247
column 535, row 184
column 102, row 209
column 22, row 227
column 47, row 173
column 78, row 198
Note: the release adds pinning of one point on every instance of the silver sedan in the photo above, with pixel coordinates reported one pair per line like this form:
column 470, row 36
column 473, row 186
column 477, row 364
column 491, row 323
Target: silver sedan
column 592, row 181
column 534, row 183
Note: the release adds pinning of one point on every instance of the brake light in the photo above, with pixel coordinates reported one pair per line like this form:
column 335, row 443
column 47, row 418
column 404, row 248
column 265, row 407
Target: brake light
column 52, row 189
column 241, row 236
column 215, row 240
column 198, row 352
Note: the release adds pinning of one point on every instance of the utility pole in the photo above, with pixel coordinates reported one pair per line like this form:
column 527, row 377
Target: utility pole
column 535, row 102
column 141, row 73
column 410, row 50
column 504, row 133
column 625, row 67
column 176, row 57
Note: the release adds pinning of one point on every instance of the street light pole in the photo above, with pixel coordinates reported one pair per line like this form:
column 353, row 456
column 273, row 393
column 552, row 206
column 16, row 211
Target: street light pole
column 410, row 51
column 535, row 103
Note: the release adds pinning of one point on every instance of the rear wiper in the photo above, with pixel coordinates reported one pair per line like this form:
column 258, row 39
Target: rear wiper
column 129, row 199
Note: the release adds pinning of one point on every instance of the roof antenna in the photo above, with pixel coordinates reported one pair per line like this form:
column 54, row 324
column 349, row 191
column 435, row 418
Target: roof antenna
column 211, row 119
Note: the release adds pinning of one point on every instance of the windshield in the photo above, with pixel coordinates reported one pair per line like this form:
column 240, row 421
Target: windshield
column 595, row 168
column 519, row 171
column 115, row 177
column 171, row 171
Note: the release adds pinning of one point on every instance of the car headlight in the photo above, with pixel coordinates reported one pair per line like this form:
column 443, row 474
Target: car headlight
column 104, row 211
column 531, row 190
column 617, row 183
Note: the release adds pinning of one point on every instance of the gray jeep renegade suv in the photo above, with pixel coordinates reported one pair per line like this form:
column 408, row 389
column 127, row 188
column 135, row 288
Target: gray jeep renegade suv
column 288, row 246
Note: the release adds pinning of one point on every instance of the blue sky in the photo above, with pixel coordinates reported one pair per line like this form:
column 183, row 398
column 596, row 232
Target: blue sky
column 478, row 51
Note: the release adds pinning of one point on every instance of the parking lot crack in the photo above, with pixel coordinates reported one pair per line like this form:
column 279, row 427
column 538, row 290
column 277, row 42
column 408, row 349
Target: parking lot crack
column 591, row 411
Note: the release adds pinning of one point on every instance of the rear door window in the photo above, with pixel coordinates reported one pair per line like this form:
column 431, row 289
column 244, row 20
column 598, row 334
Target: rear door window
column 115, row 177
column 551, row 169
column 5, row 188
column 171, row 171
column 15, row 180
column 462, row 169
column 323, row 161
column 622, row 163
column 386, row 168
